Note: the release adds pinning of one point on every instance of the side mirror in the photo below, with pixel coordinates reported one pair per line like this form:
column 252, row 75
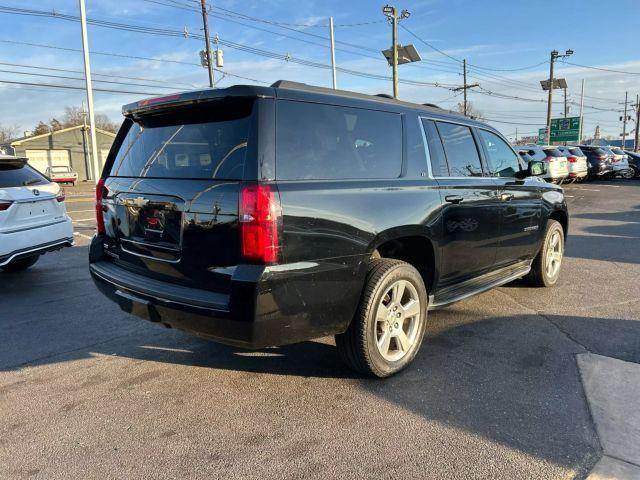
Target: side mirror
column 536, row 168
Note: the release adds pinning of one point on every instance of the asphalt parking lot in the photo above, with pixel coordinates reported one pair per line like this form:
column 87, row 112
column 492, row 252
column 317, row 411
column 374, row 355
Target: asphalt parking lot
column 87, row 391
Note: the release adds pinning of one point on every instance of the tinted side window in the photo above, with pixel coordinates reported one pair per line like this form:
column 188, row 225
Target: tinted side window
column 501, row 159
column 19, row 174
column 461, row 151
column 439, row 165
column 315, row 141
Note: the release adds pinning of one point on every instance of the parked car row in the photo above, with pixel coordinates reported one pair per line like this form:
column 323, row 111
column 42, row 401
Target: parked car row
column 581, row 162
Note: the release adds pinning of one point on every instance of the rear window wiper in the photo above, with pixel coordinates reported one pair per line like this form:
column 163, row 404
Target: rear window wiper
column 26, row 183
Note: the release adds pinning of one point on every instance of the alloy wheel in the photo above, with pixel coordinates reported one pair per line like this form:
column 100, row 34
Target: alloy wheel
column 397, row 320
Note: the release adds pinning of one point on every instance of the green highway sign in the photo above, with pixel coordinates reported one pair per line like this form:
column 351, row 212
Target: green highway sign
column 541, row 136
column 565, row 129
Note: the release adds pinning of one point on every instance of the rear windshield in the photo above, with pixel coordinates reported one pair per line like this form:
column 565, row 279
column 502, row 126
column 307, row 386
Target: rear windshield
column 617, row 151
column 209, row 141
column 576, row 151
column 605, row 150
column 19, row 174
column 553, row 152
column 60, row 169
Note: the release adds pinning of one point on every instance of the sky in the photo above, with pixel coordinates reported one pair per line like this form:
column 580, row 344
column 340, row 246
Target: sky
column 506, row 44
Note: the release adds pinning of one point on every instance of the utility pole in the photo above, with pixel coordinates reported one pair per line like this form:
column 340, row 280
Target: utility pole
column 624, row 120
column 333, row 53
column 394, row 46
column 97, row 171
column 465, row 87
column 565, row 102
column 392, row 15
column 554, row 56
column 464, row 68
column 581, row 109
column 516, row 135
column 636, row 145
column 205, row 22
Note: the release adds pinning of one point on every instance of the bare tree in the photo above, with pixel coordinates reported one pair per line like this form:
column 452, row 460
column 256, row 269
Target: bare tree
column 8, row 133
column 41, row 128
column 72, row 116
column 471, row 111
column 104, row 123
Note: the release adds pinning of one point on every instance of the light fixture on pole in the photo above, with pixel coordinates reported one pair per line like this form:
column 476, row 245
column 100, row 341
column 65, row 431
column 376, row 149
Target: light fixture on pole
column 551, row 83
column 398, row 54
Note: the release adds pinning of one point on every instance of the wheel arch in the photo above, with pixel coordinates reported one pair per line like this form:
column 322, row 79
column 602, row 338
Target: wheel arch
column 413, row 245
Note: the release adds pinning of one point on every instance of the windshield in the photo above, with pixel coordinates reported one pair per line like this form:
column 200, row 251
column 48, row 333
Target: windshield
column 208, row 142
column 19, row 174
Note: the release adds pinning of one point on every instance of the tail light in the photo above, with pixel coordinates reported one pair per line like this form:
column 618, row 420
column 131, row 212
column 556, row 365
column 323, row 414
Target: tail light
column 4, row 205
column 601, row 157
column 549, row 158
column 572, row 159
column 258, row 216
column 99, row 207
column 61, row 195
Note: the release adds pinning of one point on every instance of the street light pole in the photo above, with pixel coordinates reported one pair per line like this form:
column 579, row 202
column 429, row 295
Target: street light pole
column 392, row 14
column 554, row 55
column 624, row 120
column 394, row 46
column 97, row 171
column 581, row 108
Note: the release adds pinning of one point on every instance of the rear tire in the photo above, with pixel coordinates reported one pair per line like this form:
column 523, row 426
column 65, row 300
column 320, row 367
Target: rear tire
column 388, row 327
column 629, row 173
column 545, row 268
column 20, row 264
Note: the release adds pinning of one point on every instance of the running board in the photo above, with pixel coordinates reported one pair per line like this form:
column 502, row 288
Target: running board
column 480, row 284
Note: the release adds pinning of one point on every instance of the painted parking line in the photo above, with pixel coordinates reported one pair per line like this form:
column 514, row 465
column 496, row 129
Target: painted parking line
column 83, row 235
column 81, row 211
column 590, row 189
column 79, row 200
column 92, row 219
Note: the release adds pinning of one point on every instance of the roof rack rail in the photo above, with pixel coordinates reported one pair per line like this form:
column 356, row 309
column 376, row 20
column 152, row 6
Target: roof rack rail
column 432, row 105
column 383, row 95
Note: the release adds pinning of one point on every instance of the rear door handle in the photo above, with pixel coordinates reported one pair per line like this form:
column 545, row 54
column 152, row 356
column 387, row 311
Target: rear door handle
column 453, row 198
column 506, row 197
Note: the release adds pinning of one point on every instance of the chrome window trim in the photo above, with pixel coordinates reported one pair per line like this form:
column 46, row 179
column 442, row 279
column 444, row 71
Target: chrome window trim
column 428, row 156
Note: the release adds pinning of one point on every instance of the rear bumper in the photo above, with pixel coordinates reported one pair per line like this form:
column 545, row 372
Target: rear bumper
column 263, row 307
column 35, row 241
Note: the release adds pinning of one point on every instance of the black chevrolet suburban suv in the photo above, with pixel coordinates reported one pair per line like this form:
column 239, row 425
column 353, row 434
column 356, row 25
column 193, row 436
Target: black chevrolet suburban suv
column 262, row 216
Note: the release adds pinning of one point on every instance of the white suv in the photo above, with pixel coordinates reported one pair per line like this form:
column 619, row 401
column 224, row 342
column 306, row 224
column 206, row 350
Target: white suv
column 33, row 219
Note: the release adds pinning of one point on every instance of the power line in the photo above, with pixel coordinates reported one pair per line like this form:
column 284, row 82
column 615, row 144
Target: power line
column 132, row 57
column 56, row 69
column 71, row 87
column 602, row 69
column 50, row 75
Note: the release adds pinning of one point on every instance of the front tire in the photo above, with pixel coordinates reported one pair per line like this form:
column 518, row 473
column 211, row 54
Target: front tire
column 629, row 173
column 388, row 327
column 545, row 268
column 20, row 264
